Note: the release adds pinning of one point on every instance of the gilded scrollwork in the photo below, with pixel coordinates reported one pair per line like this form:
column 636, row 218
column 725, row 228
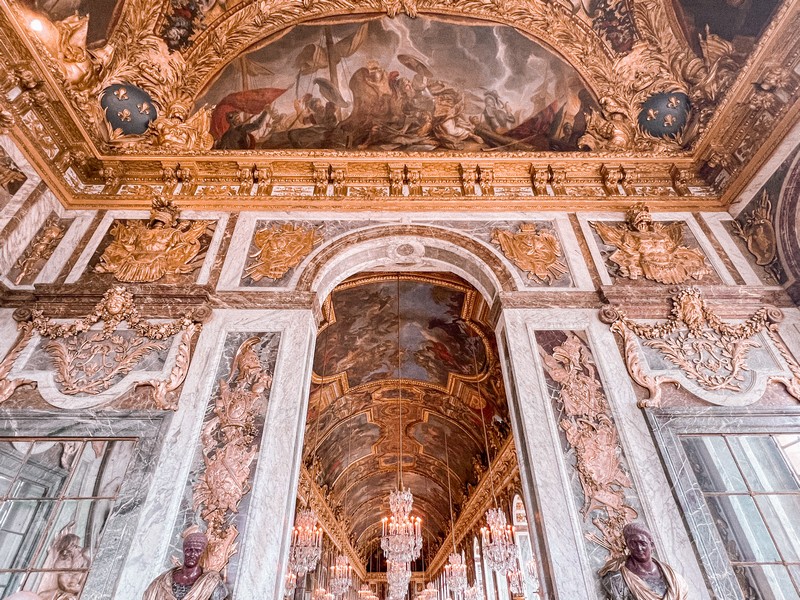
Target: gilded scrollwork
column 590, row 432
column 534, row 250
column 145, row 252
column 652, row 250
column 229, row 448
column 708, row 351
column 89, row 361
column 40, row 249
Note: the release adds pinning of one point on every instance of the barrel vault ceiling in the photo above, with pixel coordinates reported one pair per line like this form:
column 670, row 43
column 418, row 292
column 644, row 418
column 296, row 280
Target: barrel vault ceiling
column 441, row 387
column 363, row 104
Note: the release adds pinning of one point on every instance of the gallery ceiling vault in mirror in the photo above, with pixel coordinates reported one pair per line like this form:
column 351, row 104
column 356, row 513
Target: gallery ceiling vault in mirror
column 445, row 378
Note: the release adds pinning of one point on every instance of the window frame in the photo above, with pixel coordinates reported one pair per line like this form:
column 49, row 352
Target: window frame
column 148, row 429
column 668, row 426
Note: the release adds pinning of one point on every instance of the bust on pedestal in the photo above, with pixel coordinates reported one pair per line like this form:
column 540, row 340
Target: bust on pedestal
column 189, row 581
column 638, row 576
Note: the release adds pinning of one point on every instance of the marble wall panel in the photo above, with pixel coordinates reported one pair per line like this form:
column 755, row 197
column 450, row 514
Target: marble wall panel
column 262, row 548
column 267, row 350
column 334, row 226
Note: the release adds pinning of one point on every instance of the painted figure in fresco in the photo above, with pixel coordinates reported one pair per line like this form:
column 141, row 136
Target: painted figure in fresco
column 69, row 562
column 189, row 581
column 639, row 576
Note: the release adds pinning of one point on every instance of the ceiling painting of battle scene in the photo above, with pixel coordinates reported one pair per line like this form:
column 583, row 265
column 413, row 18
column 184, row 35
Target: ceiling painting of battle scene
column 423, row 84
column 445, row 406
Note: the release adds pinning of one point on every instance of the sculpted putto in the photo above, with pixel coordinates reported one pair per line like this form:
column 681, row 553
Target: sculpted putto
column 639, row 576
column 144, row 252
column 652, row 250
column 189, row 581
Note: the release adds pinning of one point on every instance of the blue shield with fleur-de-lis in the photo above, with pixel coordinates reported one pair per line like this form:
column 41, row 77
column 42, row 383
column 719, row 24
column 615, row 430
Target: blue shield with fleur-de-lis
column 664, row 114
column 128, row 108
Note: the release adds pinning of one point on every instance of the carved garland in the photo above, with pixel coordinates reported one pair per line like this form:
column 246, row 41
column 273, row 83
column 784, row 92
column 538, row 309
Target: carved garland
column 88, row 362
column 694, row 338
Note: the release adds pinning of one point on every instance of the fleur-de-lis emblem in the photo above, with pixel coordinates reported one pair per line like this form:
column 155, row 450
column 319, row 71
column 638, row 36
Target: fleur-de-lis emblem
column 121, row 94
column 652, row 114
column 144, row 108
column 673, row 102
column 124, row 115
column 669, row 120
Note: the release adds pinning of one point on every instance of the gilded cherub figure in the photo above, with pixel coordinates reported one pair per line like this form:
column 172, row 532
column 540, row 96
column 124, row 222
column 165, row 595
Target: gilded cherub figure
column 145, row 252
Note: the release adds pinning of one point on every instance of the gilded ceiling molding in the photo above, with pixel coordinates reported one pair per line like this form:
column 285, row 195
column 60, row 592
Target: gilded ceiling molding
column 89, row 362
column 505, row 470
column 338, row 532
column 710, row 356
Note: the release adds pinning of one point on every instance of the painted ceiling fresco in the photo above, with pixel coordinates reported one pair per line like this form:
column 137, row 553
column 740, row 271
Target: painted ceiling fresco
column 445, row 413
column 418, row 84
column 102, row 14
column 733, row 20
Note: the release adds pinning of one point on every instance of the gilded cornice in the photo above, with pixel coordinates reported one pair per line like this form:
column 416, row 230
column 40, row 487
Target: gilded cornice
column 57, row 125
column 329, row 523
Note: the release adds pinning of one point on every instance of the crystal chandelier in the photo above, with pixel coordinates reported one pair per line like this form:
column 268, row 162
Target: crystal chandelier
column 473, row 592
column 516, row 581
column 329, row 596
column 341, row 576
column 319, row 594
column 498, row 542
column 398, row 575
column 401, row 539
column 365, row 592
column 290, row 583
column 456, row 574
column 430, row 593
column 306, row 548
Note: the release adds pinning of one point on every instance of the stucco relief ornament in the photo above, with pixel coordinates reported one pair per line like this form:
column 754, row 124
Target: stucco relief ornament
column 229, row 448
column 709, row 356
column 89, row 361
column 146, row 252
column 280, row 248
column 592, row 435
column 652, row 250
column 758, row 232
column 535, row 251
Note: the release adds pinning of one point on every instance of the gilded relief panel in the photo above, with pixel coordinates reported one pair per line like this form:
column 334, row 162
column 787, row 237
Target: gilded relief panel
column 216, row 497
column 38, row 252
column 601, row 484
column 644, row 251
column 754, row 230
column 11, row 178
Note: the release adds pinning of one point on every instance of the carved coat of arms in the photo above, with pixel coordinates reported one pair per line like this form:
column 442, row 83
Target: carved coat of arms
column 535, row 251
column 652, row 250
column 758, row 232
column 280, row 248
column 145, row 252
column 712, row 359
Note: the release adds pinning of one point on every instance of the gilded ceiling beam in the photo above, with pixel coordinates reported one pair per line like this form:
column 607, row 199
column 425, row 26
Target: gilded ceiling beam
column 332, row 526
